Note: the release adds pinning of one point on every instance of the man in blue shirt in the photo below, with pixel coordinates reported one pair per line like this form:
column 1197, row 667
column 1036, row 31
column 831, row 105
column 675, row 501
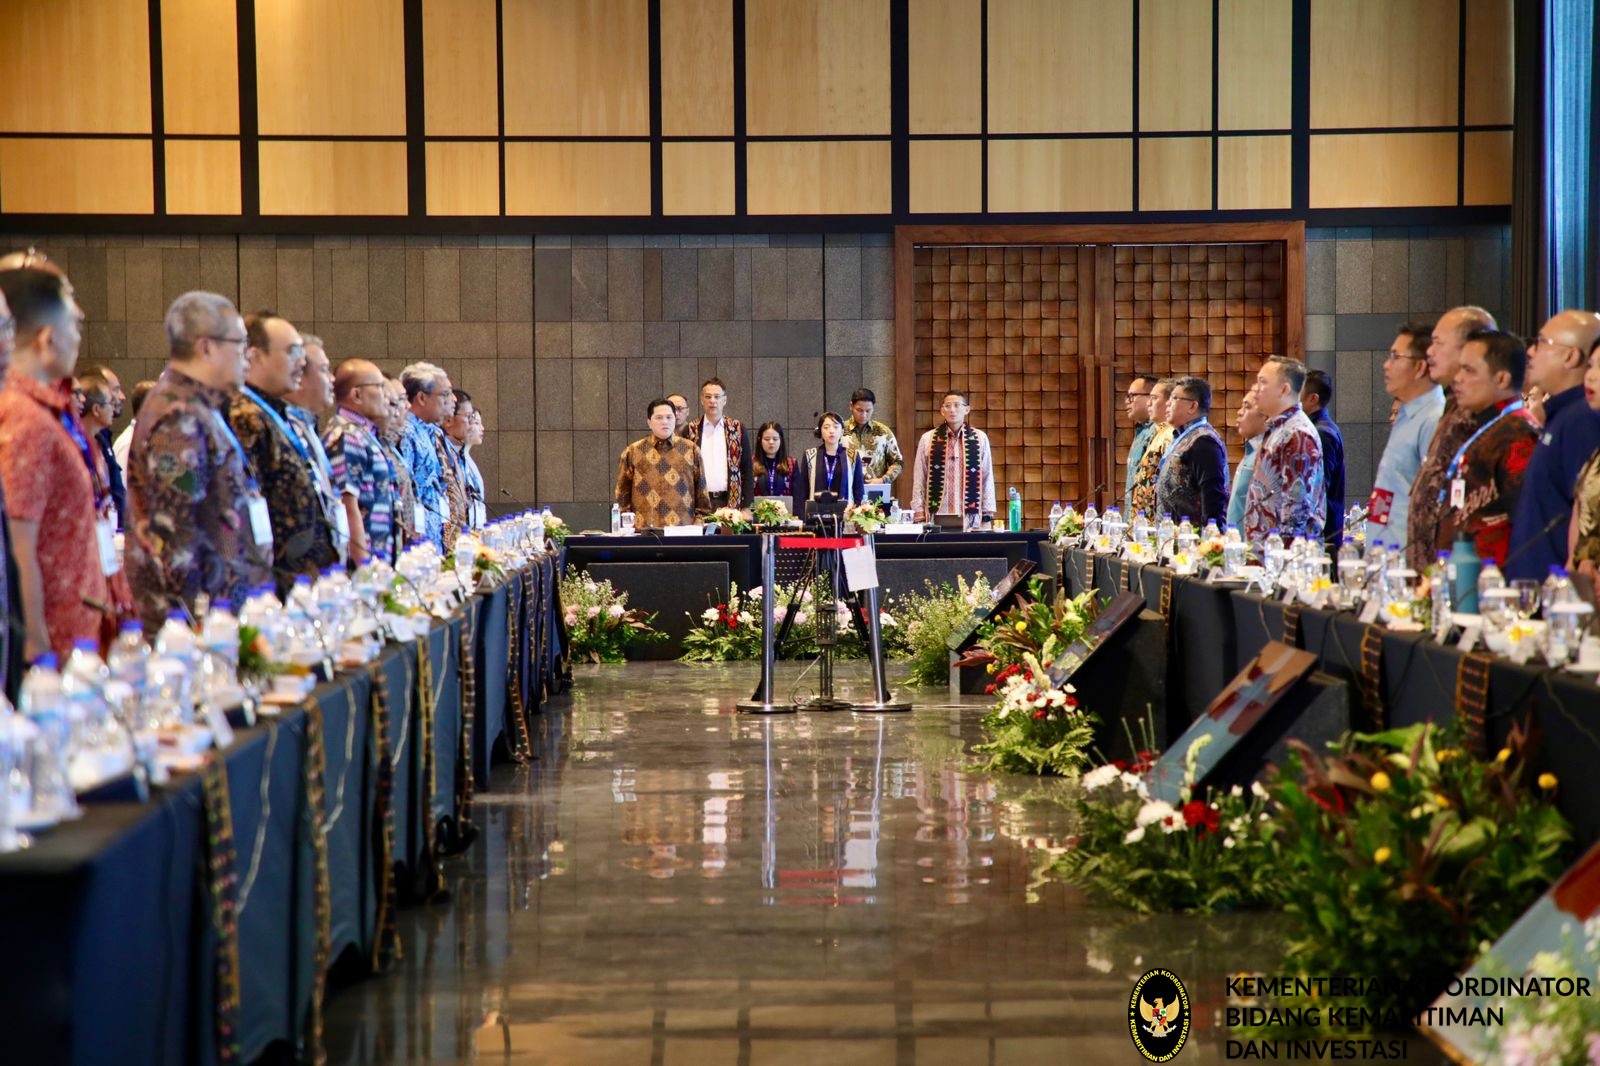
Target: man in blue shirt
column 1136, row 405
column 432, row 401
column 1405, row 377
column 1556, row 362
column 1315, row 396
column 1252, row 424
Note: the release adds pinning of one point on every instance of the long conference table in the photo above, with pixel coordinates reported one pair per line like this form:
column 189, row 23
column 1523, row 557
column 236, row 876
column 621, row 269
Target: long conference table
column 1395, row 678
column 201, row 926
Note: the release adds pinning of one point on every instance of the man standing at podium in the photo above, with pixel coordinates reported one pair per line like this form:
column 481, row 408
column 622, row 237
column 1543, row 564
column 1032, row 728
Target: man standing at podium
column 954, row 471
column 724, row 449
column 659, row 478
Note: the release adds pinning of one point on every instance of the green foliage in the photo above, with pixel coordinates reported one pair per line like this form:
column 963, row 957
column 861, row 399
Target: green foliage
column 1025, row 628
column 599, row 624
column 927, row 619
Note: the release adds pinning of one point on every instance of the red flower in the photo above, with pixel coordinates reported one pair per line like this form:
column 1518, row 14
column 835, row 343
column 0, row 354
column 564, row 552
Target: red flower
column 733, row 621
column 1199, row 814
column 1337, row 803
column 1040, row 713
column 1120, row 764
column 988, row 690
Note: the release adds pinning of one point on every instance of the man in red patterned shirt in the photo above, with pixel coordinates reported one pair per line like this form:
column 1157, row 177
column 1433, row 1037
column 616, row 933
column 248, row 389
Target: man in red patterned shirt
column 1484, row 477
column 48, row 469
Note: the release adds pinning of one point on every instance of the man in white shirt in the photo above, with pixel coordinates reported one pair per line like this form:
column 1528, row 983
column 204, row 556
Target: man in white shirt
column 124, row 441
column 724, row 449
column 1421, row 403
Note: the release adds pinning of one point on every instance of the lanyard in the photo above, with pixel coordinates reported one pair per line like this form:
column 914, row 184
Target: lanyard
column 277, row 420
column 1166, row 455
column 1455, row 463
column 238, row 449
column 772, row 483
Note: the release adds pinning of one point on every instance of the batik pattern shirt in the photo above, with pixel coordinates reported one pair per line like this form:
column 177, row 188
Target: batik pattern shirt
column 189, row 490
column 455, row 490
column 1422, row 527
column 362, row 469
column 662, row 482
column 419, row 450
column 302, row 542
column 1286, row 492
column 304, row 424
column 406, row 531
column 1586, row 501
column 1193, row 482
column 1142, row 432
column 1142, row 485
column 1493, row 467
column 48, row 481
column 875, row 444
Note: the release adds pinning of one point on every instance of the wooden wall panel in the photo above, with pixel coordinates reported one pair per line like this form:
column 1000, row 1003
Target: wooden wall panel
column 577, row 68
column 1383, row 170
column 1489, row 65
column 1254, row 64
column 1175, row 174
column 817, row 67
column 697, row 178
column 199, row 68
column 67, row 176
column 1486, row 178
column 77, row 66
column 946, row 66
column 818, row 177
column 1175, row 65
column 333, row 178
column 1058, row 175
column 463, row 177
column 460, row 94
column 947, row 176
column 202, row 177
column 697, row 68
column 331, row 67
column 585, row 178
column 1383, row 63
column 1060, row 66
column 1254, row 173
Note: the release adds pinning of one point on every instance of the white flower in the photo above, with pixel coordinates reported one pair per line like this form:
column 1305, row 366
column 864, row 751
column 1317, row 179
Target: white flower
column 1153, row 811
column 615, row 610
column 884, row 619
column 1173, row 823
column 1131, row 782
column 800, row 618
column 778, row 612
column 1100, row 777
column 1235, row 791
column 755, row 593
column 708, row 615
column 1257, row 791
column 572, row 616
column 1134, row 836
column 1227, row 842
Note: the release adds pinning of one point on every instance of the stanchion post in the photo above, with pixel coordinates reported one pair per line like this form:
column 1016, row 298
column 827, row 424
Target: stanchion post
column 883, row 699
column 761, row 702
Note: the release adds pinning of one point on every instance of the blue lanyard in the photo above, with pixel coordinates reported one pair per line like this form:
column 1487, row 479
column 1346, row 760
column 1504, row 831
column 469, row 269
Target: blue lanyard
column 1196, row 424
column 277, row 420
column 238, row 449
column 1455, row 464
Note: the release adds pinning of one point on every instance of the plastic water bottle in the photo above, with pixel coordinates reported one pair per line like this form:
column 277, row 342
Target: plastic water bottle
column 129, row 663
column 1211, row 531
column 83, row 684
column 1014, row 510
column 1273, row 556
column 1352, row 571
column 1557, row 588
column 1439, row 593
column 1142, row 530
column 1232, row 551
column 176, row 640
column 1185, row 536
column 1490, row 577
column 302, row 610
column 616, row 517
column 1377, row 563
column 1462, row 571
column 263, row 613
column 1091, row 525
column 1055, row 515
column 45, row 706
column 1166, row 534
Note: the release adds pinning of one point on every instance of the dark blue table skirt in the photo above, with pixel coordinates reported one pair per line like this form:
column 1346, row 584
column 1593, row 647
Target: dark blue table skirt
column 111, row 949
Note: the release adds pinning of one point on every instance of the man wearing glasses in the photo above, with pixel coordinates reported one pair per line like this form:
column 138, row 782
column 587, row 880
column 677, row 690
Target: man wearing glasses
column 1557, row 359
column 99, row 410
column 1420, row 403
column 362, row 471
column 1193, row 478
column 1136, row 405
column 197, row 520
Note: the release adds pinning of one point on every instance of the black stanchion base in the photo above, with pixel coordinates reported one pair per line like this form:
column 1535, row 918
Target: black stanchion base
column 892, row 707
column 757, row 707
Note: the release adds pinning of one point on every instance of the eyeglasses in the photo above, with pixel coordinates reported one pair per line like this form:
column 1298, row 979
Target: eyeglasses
column 1185, row 399
column 1137, row 395
column 237, row 342
column 366, row 385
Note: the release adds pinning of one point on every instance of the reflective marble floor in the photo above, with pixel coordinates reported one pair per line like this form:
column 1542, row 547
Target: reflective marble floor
column 675, row 883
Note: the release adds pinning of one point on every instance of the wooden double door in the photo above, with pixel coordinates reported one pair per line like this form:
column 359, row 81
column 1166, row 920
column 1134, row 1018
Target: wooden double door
column 1045, row 328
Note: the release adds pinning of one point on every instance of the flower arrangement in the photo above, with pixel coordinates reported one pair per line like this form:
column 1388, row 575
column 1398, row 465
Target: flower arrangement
column 555, row 529
column 868, row 516
column 1024, row 629
column 731, row 631
column 1069, row 527
column 255, row 657
column 1554, row 1029
column 928, row 618
column 1209, row 852
column 726, row 632
column 730, row 519
column 1399, row 856
column 1036, row 728
column 599, row 624
column 768, row 513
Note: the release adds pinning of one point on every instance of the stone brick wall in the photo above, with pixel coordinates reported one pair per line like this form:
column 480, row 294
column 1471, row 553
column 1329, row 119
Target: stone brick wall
column 562, row 340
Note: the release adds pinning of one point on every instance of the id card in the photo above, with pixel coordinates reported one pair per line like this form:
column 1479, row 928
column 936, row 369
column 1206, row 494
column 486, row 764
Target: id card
column 105, row 536
column 260, row 521
column 1458, row 492
column 419, row 518
column 341, row 525
column 480, row 515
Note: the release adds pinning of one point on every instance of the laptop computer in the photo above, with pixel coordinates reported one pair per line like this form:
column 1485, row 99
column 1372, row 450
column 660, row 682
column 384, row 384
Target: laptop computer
column 879, row 492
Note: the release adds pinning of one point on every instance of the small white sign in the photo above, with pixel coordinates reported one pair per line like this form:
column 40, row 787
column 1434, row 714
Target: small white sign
column 683, row 531
column 105, row 536
column 1469, row 639
column 221, row 731
column 1369, row 611
column 860, row 568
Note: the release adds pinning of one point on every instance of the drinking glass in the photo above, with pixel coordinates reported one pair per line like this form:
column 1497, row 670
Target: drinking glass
column 628, row 520
column 1527, row 598
column 1352, row 579
column 1499, row 609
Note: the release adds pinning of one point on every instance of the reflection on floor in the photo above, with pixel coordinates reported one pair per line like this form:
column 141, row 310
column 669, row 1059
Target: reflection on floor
column 674, row 883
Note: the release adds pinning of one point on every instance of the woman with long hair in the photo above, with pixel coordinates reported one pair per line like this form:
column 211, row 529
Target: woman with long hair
column 773, row 467
column 829, row 467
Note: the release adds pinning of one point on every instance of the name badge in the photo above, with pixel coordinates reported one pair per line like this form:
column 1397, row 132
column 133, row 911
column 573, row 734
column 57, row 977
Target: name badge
column 1458, row 492
column 341, row 524
column 105, row 536
column 480, row 515
column 260, row 521
column 419, row 517
column 443, row 507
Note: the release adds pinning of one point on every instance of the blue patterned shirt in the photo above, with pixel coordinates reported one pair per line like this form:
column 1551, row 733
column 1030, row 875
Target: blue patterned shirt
column 419, row 450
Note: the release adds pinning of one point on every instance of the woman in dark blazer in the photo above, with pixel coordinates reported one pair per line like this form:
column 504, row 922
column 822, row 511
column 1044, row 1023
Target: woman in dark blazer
column 773, row 466
column 829, row 467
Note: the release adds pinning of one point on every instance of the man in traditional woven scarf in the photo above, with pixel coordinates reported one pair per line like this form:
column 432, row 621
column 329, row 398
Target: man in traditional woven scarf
column 954, row 472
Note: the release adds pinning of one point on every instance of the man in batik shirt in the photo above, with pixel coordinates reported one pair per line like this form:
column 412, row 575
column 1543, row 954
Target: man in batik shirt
column 455, row 477
column 302, row 539
column 660, row 478
column 410, row 526
column 1286, row 492
column 308, row 403
column 199, row 523
column 1142, row 479
column 873, row 442
column 1455, row 426
column 362, row 471
column 428, row 392
column 1484, row 477
column 1193, row 482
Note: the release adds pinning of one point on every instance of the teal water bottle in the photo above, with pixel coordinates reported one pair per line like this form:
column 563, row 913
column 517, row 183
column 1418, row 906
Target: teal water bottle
column 1462, row 572
column 1014, row 511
